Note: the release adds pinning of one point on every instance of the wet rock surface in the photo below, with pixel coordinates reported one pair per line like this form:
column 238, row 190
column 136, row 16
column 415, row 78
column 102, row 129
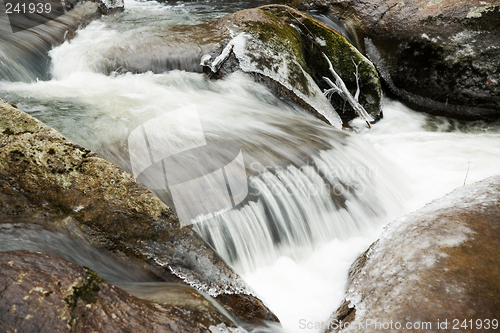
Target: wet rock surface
column 286, row 46
column 45, row 293
column 45, row 177
column 26, row 39
column 438, row 263
column 318, row 38
column 438, row 56
column 278, row 45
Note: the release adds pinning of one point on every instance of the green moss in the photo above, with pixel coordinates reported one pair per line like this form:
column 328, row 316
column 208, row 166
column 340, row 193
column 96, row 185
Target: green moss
column 316, row 39
column 280, row 38
column 87, row 293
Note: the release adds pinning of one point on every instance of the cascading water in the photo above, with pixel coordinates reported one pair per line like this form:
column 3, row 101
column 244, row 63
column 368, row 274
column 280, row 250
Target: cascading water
column 317, row 196
column 309, row 183
column 23, row 54
column 342, row 192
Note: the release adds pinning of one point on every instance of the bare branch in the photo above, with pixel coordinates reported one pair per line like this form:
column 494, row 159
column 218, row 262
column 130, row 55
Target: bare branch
column 340, row 88
column 356, row 95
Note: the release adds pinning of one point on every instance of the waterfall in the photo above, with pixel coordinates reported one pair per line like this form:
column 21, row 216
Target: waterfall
column 308, row 183
column 316, row 197
column 342, row 192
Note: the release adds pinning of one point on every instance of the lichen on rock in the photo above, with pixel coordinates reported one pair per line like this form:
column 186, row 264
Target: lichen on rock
column 437, row 56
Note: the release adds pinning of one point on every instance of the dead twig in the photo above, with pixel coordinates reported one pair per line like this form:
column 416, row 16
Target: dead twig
column 340, row 88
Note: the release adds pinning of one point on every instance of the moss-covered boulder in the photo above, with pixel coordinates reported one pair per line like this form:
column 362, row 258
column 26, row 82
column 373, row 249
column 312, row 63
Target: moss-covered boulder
column 440, row 263
column 438, row 56
column 280, row 46
column 318, row 38
column 45, row 177
column 45, row 293
column 283, row 47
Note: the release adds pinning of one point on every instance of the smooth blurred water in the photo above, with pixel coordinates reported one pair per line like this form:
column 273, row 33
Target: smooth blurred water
column 318, row 196
column 309, row 183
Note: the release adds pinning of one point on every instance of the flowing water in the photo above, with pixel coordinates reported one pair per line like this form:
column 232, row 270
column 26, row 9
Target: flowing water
column 317, row 196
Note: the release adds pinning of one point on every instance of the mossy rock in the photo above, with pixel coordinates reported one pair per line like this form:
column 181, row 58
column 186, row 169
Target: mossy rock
column 272, row 51
column 286, row 46
column 318, row 38
column 48, row 179
column 439, row 57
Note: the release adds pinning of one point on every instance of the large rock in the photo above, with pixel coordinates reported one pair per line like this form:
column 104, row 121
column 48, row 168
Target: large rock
column 45, row 177
column 438, row 263
column 437, row 55
column 44, row 293
column 279, row 43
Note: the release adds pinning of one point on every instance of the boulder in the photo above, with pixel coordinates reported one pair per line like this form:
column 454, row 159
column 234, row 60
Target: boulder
column 439, row 56
column 438, row 264
column 278, row 45
column 283, row 47
column 47, row 178
column 45, row 293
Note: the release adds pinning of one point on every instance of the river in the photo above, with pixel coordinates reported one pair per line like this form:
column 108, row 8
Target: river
column 318, row 197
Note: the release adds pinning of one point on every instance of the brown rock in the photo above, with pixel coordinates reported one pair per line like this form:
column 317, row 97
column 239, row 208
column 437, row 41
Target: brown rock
column 438, row 263
column 437, row 55
column 45, row 293
column 46, row 177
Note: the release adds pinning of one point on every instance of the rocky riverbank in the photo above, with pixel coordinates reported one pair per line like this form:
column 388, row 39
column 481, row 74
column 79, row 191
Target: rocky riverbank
column 48, row 179
column 437, row 56
column 439, row 263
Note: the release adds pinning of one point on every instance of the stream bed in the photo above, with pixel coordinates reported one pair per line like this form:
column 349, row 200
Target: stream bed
column 293, row 247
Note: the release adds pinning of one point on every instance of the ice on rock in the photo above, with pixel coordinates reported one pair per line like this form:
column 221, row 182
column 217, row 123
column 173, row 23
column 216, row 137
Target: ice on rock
column 247, row 48
column 393, row 265
column 222, row 328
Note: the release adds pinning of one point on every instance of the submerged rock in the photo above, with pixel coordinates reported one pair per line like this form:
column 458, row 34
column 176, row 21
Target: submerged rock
column 44, row 176
column 45, row 293
column 438, row 56
column 439, row 263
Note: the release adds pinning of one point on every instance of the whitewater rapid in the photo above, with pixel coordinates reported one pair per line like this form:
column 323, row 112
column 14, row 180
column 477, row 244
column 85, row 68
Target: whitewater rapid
column 406, row 160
